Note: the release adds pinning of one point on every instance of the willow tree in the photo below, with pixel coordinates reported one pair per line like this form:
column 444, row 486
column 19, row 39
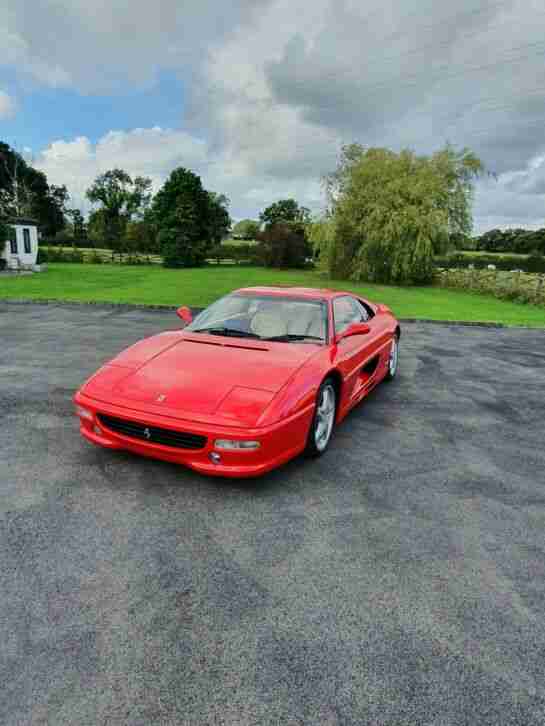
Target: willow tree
column 392, row 212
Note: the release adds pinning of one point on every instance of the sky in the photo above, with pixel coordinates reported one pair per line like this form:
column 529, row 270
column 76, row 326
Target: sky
column 258, row 96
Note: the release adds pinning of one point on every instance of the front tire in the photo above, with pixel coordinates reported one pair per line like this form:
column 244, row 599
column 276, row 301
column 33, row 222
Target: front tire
column 323, row 421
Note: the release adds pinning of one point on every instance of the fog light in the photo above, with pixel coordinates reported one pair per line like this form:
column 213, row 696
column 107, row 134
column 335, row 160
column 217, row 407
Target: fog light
column 215, row 458
column 236, row 445
column 84, row 413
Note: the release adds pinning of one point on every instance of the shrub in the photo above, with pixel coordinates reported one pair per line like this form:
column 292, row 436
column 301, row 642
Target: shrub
column 42, row 256
column 74, row 255
column 54, row 254
column 519, row 287
column 179, row 250
column 282, row 245
column 535, row 262
column 95, row 258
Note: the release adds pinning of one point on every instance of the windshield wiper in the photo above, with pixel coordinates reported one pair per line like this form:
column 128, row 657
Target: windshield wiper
column 289, row 338
column 233, row 332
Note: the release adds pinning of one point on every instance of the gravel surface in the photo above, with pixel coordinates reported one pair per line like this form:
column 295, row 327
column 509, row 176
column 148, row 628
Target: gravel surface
column 398, row 580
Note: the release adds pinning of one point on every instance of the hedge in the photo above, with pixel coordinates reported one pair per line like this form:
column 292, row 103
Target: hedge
column 532, row 263
column 93, row 256
column 520, row 287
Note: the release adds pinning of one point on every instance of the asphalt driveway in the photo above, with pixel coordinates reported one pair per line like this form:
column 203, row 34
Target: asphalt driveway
column 397, row 580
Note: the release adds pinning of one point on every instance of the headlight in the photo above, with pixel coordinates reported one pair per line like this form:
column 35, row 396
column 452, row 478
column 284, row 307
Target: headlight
column 84, row 413
column 236, row 445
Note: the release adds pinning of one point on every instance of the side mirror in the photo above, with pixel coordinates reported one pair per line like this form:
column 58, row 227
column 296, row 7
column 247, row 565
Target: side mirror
column 353, row 329
column 185, row 314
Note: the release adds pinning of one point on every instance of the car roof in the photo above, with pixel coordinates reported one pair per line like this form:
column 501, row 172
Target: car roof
column 304, row 292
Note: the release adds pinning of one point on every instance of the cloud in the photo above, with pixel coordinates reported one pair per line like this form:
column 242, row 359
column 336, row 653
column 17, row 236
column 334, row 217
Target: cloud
column 514, row 199
column 101, row 46
column 8, row 106
column 146, row 152
column 274, row 87
column 155, row 153
column 282, row 98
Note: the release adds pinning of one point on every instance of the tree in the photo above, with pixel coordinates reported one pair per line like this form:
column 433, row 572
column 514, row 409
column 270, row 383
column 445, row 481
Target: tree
column 247, row 229
column 140, row 237
column 181, row 214
column 392, row 212
column 521, row 241
column 4, row 234
column 25, row 192
column 282, row 245
column 320, row 234
column 285, row 211
column 78, row 223
column 284, row 240
column 48, row 205
column 96, row 228
column 219, row 219
column 122, row 198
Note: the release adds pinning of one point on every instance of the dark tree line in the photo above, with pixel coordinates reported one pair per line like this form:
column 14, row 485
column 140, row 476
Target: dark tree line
column 520, row 241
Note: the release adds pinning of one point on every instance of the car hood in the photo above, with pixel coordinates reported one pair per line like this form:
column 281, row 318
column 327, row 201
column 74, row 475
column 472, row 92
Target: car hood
column 199, row 377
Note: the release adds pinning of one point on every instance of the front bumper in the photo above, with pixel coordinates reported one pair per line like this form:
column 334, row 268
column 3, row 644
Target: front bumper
column 279, row 442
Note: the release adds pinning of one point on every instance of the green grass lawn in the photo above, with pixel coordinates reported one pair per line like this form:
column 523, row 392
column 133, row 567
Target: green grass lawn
column 154, row 285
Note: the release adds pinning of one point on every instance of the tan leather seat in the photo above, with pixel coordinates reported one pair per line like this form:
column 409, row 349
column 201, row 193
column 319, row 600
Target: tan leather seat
column 269, row 323
column 306, row 320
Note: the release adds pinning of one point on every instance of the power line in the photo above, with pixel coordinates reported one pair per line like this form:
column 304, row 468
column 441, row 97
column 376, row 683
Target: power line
column 416, row 78
column 333, row 74
column 431, row 26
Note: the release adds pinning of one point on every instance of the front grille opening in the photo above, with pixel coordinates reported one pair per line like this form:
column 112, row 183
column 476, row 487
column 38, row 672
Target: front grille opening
column 152, row 434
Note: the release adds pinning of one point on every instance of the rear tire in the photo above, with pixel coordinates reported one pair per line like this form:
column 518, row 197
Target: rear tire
column 393, row 360
column 323, row 421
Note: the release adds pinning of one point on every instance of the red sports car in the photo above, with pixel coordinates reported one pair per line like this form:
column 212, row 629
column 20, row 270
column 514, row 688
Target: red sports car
column 255, row 379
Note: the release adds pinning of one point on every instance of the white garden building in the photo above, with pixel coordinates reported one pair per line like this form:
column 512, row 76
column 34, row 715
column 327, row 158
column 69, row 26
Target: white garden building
column 20, row 250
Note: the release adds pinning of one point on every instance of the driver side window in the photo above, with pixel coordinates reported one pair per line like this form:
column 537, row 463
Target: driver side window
column 345, row 312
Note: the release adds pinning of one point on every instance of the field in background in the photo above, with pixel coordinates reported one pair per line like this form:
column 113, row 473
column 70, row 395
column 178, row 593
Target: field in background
column 237, row 242
column 154, row 285
column 499, row 255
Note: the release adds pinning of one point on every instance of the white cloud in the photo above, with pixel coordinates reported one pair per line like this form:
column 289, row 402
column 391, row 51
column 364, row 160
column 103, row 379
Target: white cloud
column 147, row 152
column 103, row 45
column 273, row 87
column 8, row 106
column 514, row 199
column 155, row 153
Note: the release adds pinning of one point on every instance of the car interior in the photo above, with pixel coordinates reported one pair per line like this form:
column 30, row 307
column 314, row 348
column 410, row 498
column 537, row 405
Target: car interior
column 268, row 318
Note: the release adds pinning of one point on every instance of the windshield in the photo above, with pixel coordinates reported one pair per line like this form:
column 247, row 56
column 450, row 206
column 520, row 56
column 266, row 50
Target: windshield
column 274, row 318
